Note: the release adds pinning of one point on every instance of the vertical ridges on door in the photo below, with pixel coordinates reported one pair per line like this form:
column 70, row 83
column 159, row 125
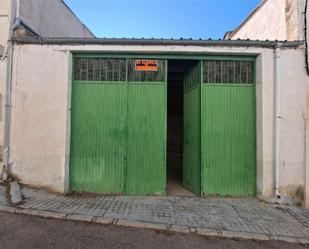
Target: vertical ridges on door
column 191, row 129
column 98, row 137
column 118, row 127
column 146, row 170
column 228, row 139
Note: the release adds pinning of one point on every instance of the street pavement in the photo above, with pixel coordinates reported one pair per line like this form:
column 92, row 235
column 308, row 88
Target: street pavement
column 243, row 218
column 18, row 231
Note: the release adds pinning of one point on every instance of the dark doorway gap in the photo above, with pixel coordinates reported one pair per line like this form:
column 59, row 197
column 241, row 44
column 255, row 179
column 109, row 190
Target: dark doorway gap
column 175, row 80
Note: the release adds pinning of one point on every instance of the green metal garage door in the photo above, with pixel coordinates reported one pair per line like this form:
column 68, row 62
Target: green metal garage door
column 228, row 131
column 192, row 130
column 118, row 128
column 146, row 137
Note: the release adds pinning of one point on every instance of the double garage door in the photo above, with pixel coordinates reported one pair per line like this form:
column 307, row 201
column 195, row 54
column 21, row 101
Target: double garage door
column 118, row 127
column 118, row 131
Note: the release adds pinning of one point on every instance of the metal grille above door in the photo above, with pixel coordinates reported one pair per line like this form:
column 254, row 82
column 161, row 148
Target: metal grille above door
column 150, row 76
column 228, row 72
column 99, row 69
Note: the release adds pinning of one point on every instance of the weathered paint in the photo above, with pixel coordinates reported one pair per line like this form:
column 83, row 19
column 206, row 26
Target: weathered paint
column 191, row 129
column 42, row 91
column 274, row 20
column 118, row 136
column 98, row 137
column 47, row 18
column 228, row 139
column 146, row 145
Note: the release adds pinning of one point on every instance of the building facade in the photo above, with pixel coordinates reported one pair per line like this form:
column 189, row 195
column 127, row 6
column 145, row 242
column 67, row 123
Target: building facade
column 51, row 149
column 130, row 116
column 273, row 20
column 277, row 20
column 38, row 19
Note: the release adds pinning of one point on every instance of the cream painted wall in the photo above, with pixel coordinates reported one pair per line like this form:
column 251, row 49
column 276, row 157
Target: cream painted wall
column 260, row 27
column 265, row 124
column 39, row 115
column 41, row 110
column 4, row 21
column 51, row 18
column 294, row 106
column 274, row 20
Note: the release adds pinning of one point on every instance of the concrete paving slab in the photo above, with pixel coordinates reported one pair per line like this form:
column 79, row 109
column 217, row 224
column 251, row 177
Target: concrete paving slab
column 179, row 229
column 43, row 213
column 139, row 224
column 102, row 220
column 246, row 218
column 80, row 217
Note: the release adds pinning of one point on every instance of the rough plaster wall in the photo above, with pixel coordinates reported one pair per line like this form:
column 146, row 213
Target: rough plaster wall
column 306, row 115
column 40, row 112
column 294, row 90
column 51, row 18
column 292, row 18
column 4, row 21
column 38, row 116
column 268, row 22
column 302, row 20
column 301, row 11
column 265, row 124
column 293, row 94
column 2, row 99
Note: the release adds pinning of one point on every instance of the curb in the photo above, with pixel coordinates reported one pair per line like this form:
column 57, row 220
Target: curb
column 207, row 232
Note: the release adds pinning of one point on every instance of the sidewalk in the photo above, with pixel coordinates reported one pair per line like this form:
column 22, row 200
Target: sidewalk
column 245, row 218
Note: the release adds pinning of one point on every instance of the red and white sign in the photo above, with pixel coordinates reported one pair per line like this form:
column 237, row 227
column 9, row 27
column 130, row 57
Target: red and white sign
column 146, row 65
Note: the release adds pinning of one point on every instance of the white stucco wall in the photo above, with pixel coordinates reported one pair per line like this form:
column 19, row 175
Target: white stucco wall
column 2, row 97
column 274, row 20
column 39, row 116
column 4, row 21
column 294, row 106
column 266, row 23
column 294, row 95
column 41, row 110
column 51, row 18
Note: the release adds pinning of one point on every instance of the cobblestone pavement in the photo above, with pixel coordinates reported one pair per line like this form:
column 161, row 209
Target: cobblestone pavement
column 228, row 217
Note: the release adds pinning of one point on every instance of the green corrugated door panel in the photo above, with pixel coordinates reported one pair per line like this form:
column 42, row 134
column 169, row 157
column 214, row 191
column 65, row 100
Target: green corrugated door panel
column 146, row 145
column 191, row 143
column 98, row 137
column 228, row 140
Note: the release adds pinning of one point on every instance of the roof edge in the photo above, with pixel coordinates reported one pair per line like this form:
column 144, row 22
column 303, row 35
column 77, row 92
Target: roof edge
column 154, row 42
column 22, row 23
